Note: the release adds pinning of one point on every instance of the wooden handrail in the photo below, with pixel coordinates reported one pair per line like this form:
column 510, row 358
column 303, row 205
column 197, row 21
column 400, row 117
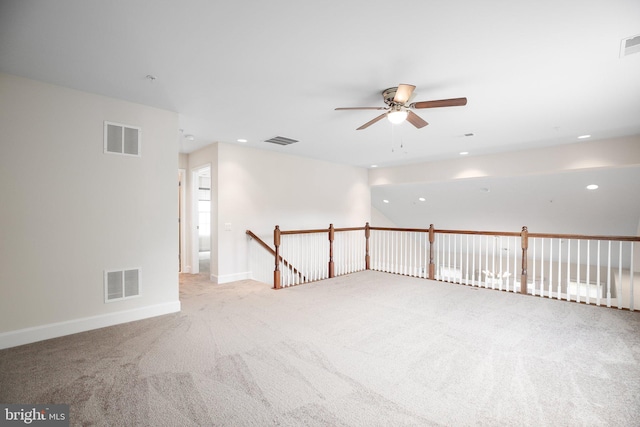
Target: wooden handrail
column 524, row 235
column 351, row 228
column 586, row 237
column 260, row 242
column 426, row 230
column 274, row 253
column 320, row 230
column 514, row 234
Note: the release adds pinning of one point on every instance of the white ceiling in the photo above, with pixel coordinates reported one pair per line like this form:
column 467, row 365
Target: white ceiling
column 536, row 74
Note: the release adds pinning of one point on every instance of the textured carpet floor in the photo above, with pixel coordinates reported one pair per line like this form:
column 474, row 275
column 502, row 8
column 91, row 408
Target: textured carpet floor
column 368, row 349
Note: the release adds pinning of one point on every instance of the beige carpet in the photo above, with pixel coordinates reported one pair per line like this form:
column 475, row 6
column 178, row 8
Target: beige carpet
column 368, row 349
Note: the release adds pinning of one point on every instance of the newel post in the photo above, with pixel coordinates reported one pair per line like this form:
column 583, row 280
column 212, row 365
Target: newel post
column 331, row 236
column 276, row 272
column 367, row 257
column 524, row 237
column 432, row 267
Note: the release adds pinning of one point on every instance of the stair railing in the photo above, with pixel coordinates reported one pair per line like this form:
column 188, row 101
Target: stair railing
column 587, row 269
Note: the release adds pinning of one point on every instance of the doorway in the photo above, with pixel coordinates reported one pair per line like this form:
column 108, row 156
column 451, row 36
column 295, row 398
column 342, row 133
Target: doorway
column 181, row 222
column 201, row 242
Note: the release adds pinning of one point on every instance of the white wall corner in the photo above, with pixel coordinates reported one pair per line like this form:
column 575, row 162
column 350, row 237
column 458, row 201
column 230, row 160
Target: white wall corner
column 227, row 278
column 60, row 329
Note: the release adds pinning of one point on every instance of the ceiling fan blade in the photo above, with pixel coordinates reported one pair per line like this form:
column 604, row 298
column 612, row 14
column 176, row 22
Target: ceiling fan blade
column 370, row 122
column 453, row 102
column 416, row 120
column 360, row 108
column 403, row 93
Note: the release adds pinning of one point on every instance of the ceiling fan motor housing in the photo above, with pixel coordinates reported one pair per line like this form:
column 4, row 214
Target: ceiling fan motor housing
column 389, row 94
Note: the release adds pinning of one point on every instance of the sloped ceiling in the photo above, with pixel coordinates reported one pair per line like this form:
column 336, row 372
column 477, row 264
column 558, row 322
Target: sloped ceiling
column 549, row 203
column 536, row 74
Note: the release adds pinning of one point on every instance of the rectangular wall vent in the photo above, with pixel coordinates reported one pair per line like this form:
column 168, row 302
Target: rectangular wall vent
column 121, row 284
column 281, row 140
column 630, row 45
column 122, row 139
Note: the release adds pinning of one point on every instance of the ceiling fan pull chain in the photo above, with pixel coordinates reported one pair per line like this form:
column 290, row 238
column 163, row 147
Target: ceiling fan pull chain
column 393, row 139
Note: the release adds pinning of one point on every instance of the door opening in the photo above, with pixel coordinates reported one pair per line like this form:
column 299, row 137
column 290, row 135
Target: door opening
column 181, row 233
column 201, row 195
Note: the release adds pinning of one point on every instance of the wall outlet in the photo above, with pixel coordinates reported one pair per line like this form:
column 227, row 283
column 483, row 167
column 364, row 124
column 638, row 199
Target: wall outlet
column 227, row 226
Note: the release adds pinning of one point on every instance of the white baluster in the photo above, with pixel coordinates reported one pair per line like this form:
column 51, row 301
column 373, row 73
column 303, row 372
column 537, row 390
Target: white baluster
column 533, row 270
column 578, row 262
column 568, row 268
column 542, row 264
column 588, row 279
column 631, row 274
column 516, row 266
column 550, row 268
column 618, row 282
column 609, row 275
column 493, row 263
column 486, row 260
column 559, row 268
column 476, row 280
column 460, row 259
column 598, row 284
column 511, row 279
column 467, row 263
column 418, row 254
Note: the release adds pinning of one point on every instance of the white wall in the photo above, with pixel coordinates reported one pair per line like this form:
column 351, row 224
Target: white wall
column 183, row 161
column 258, row 189
column 70, row 212
column 378, row 219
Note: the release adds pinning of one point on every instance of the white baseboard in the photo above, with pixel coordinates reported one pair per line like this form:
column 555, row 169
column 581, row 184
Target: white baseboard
column 59, row 329
column 226, row 278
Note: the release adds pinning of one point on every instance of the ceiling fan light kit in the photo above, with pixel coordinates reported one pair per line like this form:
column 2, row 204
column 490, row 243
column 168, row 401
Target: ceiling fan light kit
column 399, row 109
column 398, row 116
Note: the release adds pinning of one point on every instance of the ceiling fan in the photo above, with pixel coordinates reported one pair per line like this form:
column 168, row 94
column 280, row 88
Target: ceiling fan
column 398, row 108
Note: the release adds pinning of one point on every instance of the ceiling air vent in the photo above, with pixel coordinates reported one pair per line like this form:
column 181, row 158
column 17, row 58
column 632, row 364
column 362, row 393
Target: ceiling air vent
column 630, row 45
column 281, row 140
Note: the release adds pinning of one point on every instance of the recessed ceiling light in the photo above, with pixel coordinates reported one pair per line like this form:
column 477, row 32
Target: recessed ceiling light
column 374, row 166
column 592, row 187
column 464, row 153
column 584, row 136
column 422, row 199
column 385, row 201
column 189, row 137
column 242, row 140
